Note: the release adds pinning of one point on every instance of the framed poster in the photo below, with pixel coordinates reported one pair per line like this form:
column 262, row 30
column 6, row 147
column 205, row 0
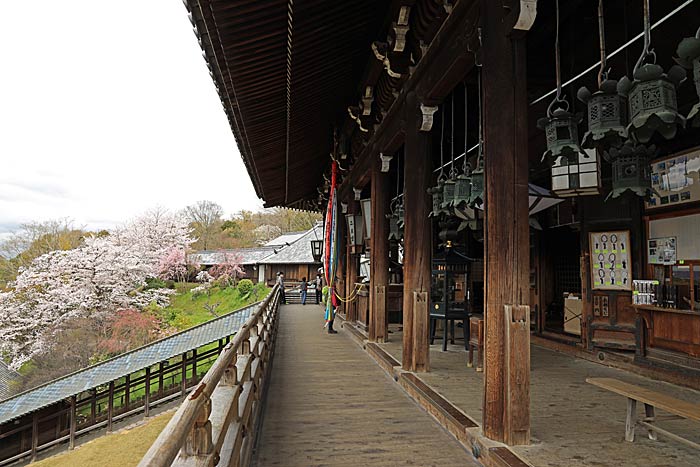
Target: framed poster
column 611, row 267
column 675, row 180
column 662, row 250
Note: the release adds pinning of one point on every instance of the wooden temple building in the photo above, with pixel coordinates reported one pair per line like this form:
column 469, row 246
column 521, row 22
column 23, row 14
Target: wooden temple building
column 520, row 194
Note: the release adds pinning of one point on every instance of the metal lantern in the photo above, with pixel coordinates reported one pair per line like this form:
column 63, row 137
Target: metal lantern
column 436, row 192
column 607, row 116
column 463, row 189
column 316, row 249
column 631, row 169
column 561, row 130
column 448, row 195
column 652, row 102
column 689, row 57
column 356, row 227
column 393, row 226
column 476, row 190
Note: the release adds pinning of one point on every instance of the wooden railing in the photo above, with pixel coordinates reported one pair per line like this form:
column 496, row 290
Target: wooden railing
column 217, row 423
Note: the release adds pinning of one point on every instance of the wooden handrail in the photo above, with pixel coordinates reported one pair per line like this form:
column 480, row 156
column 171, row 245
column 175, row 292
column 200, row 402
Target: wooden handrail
column 233, row 385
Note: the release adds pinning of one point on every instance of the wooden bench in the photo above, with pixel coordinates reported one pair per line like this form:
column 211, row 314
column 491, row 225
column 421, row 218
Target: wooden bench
column 679, row 409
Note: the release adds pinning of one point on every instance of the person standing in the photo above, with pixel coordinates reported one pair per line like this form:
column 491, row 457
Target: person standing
column 280, row 282
column 303, row 287
column 319, row 288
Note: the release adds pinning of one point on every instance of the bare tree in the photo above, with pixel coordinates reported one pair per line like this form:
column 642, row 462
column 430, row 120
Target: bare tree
column 205, row 218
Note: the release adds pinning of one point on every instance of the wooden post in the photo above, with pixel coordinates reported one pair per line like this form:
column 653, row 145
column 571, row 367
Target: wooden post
column 506, row 251
column 93, row 406
column 147, row 393
column 127, row 392
column 194, row 365
column 183, row 380
column 110, row 406
column 161, row 367
column 417, row 238
column 351, row 265
column 71, row 442
column 379, row 275
column 35, row 435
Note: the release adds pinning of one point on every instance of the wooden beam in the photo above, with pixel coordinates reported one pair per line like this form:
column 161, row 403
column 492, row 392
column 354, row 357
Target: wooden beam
column 507, row 232
column 417, row 238
column 93, row 406
column 183, row 375
column 379, row 276
column 127, row 392
column 71, row 441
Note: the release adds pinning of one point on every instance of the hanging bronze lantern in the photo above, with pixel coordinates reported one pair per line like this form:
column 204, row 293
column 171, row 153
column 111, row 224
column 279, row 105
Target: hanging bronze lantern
column 436, row 193
column 689, row 57
column 607, row 110
column 476, row 191
column 393, row 226
column 561, row 130
column 607, row 116
column 448, row 195
column 652, row 102
column 463, row 189
column 651, row 97
column 631, row 169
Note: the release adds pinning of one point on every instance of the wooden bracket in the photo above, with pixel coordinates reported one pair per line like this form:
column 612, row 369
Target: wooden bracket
column 528, row 13
column 427, row 114
column 386, row 161
column 367, row 100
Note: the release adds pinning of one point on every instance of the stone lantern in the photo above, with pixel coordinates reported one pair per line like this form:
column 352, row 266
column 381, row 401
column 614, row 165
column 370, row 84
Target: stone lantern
column 689, row 57
column 652, row 104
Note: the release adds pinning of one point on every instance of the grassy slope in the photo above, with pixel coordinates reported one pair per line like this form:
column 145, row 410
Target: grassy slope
column 191, row 311
column 123, row 448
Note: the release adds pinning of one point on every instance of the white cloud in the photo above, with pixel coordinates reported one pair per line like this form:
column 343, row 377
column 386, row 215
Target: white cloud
column 107, row 109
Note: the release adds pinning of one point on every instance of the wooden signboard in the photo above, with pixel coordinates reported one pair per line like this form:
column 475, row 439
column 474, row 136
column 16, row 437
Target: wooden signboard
column 611, row 266
column 675, row 180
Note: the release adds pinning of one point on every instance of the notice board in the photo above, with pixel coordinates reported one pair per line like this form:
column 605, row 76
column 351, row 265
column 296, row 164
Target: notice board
column 611, row 267
column 675, row 180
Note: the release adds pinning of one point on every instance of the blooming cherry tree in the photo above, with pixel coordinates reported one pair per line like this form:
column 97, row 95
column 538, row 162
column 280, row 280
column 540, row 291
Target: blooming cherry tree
column 105, row 274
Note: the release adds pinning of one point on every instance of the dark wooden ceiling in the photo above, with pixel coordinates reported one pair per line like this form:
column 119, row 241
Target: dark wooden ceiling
column 246, row 47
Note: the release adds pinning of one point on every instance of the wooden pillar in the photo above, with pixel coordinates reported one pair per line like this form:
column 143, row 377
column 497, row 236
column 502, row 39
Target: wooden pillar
column 417, row 238
column 161, row 367
column 127, row 392
column 93, row 406
column 183, row 380
column 379, row 275
column 147, row 393
column 71, row 441
column 110, row 406
column 352, row 269
column 35, row 435
column 506, row 381
column 194, row 365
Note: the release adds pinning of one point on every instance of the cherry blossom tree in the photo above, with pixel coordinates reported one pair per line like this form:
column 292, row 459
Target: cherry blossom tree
column 229, row 267
column 105, row 274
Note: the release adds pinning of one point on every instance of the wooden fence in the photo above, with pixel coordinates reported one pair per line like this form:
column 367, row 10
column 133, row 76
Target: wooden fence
column 217, row 423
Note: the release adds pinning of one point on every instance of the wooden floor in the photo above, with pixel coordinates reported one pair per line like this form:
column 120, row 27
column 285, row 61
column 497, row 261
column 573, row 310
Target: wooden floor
column 573, row 423
column 330, row 404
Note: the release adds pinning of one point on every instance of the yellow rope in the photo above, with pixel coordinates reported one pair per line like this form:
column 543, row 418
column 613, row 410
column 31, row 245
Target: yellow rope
column 353, row 294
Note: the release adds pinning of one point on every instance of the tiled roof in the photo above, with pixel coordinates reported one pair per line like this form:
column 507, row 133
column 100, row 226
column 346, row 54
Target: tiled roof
column 130, row 362
column 6, row 377
column 288, row 238
column 249, row 255
column 298, row 252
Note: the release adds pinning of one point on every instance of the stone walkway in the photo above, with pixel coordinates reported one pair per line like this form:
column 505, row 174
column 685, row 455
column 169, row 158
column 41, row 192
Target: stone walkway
column 330, row 404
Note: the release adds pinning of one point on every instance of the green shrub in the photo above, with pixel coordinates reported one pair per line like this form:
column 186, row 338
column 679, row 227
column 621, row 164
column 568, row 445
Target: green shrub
column 245, row 286
column 155, row 283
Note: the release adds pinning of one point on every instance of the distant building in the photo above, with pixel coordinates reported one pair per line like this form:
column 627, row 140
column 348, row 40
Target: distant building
column 289, row 253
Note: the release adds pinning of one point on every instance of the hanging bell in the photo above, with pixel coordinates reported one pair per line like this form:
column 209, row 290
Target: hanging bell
column 631, row 169
column 689, row 57
column 651, row 100
column 607, row 116
column 436, row 192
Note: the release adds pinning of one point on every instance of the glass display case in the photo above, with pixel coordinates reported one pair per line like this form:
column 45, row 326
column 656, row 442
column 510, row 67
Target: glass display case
column 449, row 294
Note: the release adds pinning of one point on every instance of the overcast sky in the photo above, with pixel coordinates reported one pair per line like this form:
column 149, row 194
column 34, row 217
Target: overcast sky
column 108, row 109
